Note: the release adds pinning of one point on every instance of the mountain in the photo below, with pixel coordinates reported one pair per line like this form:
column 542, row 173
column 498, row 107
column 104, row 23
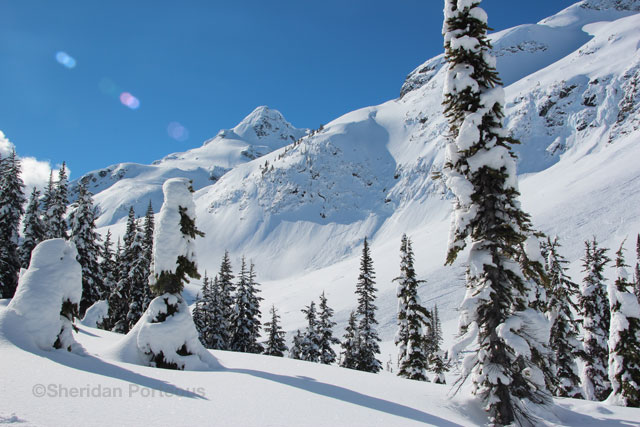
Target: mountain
column 120, row 186
column 302, row 209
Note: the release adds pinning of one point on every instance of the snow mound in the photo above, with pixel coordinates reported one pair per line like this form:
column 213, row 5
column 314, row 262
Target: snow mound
column 33, row 317
column 170, row 337
column 96, row 314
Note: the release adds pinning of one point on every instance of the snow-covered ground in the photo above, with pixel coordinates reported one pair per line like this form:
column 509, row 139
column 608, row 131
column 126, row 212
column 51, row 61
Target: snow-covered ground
column 57, row 388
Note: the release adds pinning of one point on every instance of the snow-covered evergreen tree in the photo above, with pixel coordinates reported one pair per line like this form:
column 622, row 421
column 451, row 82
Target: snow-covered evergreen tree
column 624, row 339
column 147, row 252
column 120, row 296
column 295, row 352
column 438, row 363
column 310, row 346
column 564, row 333
column 11, row 209
column 637, row 269
column 275, row 345
column 480, row 170
column 86, row 239
column 325, row 332
column 33, row 230
column 366, row 311
column 57, row 207
column 199, row 316
column 227, row 302
column 47, row 202
column 246, row 318
column 217, row 324
column 108, row 270
column 413, row 319
column 174, row 262
column 350, row 343
column 594, row 311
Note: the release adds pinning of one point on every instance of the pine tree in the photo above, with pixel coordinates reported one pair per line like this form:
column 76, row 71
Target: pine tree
column 325, row 332
column 147, row 252
column 137, row 277
column 413, row 319
column 108, row 270
column 227, row 302
column 624, row 339
column 296, row 348
column 57, row 209
column 218, row 327
column 11, row 209
column 86, row 239
column 594, row 310
column 275, row 344
column 47, row 201
column 369, row 339
column 33, row 229
column 564, row 333
column 438, row 363
column 350, row 344
column 246, row 319
column 310, row 346
column 199, row 314
column 480, row 171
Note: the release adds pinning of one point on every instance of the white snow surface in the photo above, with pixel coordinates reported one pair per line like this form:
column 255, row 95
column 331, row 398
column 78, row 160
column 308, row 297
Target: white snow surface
column 32, row 318
column 95, row 314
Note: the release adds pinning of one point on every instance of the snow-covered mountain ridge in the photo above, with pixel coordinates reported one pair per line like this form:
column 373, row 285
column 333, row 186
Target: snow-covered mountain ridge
column 301, row 211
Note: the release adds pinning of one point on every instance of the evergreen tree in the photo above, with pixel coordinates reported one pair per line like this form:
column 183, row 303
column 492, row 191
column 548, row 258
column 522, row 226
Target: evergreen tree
column 86, row 239
column 310, row 346
column 227, row 302
column 594, row 310
column 33, row 229
column 637, row 269
column 108, row 270
column 325, row 332
column 217, row 324
column 47, row 201
column 296, row 348
column 350, row 343
column 57, row 209
column 199, row 314
column 275, row 344
column 369, row 339
column 137, row 278
column 480, row 171
column 437, row 358
column 246, row 319
column 147, row 252
column 11, row 209
column 413, row 319
column 564, row 333
column 624, row 339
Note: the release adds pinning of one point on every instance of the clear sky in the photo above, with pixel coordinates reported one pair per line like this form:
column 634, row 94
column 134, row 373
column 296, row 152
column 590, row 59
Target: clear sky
column 186, row 69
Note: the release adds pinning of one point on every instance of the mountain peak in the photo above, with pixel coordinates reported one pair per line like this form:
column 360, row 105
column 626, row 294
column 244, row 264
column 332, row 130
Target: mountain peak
column 263, row 126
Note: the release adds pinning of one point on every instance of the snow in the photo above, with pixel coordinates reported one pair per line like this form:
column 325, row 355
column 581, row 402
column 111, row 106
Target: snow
column 32, row 319
column 95, row 314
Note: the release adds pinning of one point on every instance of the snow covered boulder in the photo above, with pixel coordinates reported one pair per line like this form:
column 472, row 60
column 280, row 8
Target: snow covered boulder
column 41, row 313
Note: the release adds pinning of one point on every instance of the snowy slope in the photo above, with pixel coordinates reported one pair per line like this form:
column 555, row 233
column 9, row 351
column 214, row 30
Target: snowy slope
column 57, row 388
column 301, row 211
column 120, row 186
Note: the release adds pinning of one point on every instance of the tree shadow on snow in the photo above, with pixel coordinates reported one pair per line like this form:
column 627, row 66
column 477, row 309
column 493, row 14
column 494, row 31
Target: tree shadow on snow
column 347, row 395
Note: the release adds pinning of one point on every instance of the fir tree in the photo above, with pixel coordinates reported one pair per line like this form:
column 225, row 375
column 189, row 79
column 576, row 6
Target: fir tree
column 480, row 171
column 227, row 302
column 564, row 333
column 171, row 269
column 217, row 324
column 437, row 358
column 366, row 292
column 147, row 252
column 108, row 270
column 413, row 319
column 47, row 201
column 296, row 348
column 275, row 344
column 33, row 229
column 594, row 310
column 137, row 277
column 86, row 239
column 325, row 332
column 624, row 339
column 11, row 209
column 637, row 270
column 199, row 314
column 310, row 346
column 350, row 344
column 246, row 319
column 57, row 207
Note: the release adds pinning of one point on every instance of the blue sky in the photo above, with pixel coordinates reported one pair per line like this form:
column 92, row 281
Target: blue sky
column 203, row 65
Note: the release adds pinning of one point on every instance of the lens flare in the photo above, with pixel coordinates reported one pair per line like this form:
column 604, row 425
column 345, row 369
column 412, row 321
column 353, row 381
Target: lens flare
column 65, row 59
column 129, row 100
column 177, row 131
